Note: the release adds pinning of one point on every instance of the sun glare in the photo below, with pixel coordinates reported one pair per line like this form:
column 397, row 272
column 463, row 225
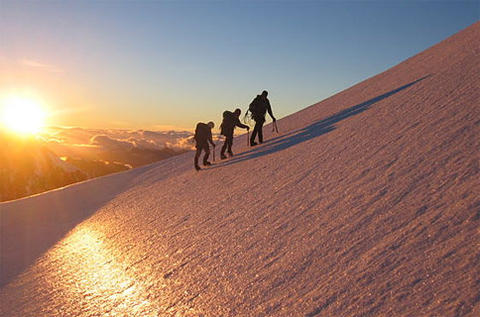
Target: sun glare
column 23, row 115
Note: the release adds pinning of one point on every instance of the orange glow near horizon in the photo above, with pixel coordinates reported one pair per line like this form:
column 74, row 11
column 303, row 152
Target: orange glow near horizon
column 22, row 115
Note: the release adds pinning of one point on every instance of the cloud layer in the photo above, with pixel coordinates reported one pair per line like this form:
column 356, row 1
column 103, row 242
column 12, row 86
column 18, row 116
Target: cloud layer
column 114, row 139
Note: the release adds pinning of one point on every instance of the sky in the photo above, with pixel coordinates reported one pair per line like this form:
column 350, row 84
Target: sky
column 169, row 64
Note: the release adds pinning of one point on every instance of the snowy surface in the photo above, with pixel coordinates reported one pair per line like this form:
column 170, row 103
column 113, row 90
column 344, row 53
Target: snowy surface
column 366, row 204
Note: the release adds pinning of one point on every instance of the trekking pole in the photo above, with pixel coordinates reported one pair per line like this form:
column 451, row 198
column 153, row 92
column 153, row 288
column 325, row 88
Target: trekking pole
column 213, row 153
column 248, row 137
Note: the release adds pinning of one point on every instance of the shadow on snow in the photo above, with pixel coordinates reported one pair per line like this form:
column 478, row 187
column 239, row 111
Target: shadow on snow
column 312, row 131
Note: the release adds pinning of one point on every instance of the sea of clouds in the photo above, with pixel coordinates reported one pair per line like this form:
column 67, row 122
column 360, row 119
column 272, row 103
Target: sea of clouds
column 117, row 139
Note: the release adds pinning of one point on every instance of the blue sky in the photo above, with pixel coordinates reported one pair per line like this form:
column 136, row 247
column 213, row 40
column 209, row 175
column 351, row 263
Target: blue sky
column 147, row 64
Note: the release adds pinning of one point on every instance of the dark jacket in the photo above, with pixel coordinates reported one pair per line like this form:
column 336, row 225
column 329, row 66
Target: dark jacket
column 259, row 107
column 203, row 133
column 230, row 121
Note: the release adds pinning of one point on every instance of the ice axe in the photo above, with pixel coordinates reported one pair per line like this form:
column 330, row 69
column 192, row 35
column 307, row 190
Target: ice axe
column 274, row 126
column 245, row 117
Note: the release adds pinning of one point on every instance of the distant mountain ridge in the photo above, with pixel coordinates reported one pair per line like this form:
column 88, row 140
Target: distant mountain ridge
column 30, row 168
column 31, row 165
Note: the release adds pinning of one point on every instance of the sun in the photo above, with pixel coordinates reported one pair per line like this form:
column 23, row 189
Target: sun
column 23, row 115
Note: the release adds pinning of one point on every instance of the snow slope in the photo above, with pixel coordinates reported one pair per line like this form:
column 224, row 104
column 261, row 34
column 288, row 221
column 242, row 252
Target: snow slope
column 366, row 204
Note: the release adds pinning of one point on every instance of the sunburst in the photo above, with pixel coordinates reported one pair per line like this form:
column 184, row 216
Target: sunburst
column 22, row 115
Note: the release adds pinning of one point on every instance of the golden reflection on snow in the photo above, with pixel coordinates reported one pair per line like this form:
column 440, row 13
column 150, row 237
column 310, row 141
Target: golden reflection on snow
column 88, row 271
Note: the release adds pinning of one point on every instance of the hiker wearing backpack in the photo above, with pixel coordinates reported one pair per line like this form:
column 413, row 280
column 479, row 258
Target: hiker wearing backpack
column 203, row 136
column 259, row 108
column 230, row 121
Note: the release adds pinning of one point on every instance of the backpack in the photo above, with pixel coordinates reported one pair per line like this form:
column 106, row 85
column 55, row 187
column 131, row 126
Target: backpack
column 227, row 122
column 257, row 107
column 201, row 132
column 227, row 114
